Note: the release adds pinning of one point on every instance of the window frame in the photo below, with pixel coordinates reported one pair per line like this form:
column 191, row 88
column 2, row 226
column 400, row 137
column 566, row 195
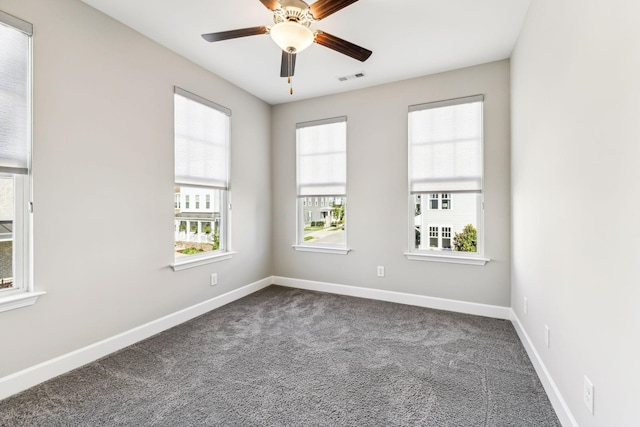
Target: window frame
column 434, row 197
column 434, row 229
column 225, row 252
column 444, row 199
column 416, row 254
column 301, row 245
column 23, row 292
column 445, row 233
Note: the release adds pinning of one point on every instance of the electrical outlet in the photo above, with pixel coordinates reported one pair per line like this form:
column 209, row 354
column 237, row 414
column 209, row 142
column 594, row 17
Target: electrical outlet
column 214, row 279
column 587, row 394
column 526, row 305
column 547, row 336
column 380, row 271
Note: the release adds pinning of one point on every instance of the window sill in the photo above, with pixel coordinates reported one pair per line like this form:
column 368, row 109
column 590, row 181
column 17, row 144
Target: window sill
column 23, row 299
column 452, row 259
column 190, row 262
column 322, row 249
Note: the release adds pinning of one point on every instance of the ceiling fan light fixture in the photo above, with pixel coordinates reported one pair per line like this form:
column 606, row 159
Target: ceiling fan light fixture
column 291, row 36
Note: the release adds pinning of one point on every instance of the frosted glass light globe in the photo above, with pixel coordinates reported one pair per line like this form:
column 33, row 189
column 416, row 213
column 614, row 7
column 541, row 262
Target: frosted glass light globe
column 291, row 35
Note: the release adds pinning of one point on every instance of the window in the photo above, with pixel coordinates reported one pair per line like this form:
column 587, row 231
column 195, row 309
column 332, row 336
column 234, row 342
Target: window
column 445, row 168
column 446, row 238
column 433, row 237
column 201, row 168
column 16, row 283
column 322, row 176
column 439, row 237
column 433, row 201
column 446, row 201
column 176, row 203
column 438, row 201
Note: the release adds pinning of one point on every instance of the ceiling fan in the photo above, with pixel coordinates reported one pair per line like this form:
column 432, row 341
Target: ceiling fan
column 292, row 34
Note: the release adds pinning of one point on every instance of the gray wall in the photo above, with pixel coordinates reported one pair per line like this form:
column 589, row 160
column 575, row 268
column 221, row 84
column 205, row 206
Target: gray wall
column 576, row 203
column 103, row 184
column 377, row 199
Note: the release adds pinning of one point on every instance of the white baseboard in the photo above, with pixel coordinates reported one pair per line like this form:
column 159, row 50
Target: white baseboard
column 398, row 297
column 557, row 401
column 22, row 380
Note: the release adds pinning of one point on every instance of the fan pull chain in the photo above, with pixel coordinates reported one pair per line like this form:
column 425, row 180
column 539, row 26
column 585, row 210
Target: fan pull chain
column 290, row 72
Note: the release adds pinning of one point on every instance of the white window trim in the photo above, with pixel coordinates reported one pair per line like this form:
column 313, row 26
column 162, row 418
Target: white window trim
column 446, row 258
column 24, row 295
column 431, row 199
column 322, row 249
column 226, row 221
column 442, row 199
column 300, row 200
column 451, row 257
column 199, row 260
column 20, row 300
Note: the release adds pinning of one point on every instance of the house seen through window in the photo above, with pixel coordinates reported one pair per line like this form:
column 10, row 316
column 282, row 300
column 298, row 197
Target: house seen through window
column 201, row 173
column 445, row 175
column 15, row 158
column 322, row 182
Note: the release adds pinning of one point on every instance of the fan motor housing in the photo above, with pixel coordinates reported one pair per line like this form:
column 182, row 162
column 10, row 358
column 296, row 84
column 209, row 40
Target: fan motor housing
column 294, row 11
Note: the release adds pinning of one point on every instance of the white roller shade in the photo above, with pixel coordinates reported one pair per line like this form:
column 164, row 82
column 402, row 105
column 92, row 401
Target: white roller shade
column 201, row 141
column 445, row 146
column 322, row 157
column 15, row 96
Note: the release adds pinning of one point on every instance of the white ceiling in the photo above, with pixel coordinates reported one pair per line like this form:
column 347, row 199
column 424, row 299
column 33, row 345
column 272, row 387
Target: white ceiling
column 409, row 38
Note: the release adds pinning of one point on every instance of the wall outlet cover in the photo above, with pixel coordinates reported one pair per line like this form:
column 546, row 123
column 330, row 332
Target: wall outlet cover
column 547, row 336
column 588, row 394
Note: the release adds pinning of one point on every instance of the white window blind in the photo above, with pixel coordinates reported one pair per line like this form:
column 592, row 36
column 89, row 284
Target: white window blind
column 15, row 96
column 322, row 157
column 201, row 141
column 445, row 146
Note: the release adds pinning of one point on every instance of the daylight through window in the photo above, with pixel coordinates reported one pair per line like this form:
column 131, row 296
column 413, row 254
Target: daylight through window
column 201, row 173
column 445, row 175
column 15, row 155
column 322, row 182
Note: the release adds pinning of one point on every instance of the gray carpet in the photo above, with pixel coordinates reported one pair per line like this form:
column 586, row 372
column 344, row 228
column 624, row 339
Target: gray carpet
column 287, row 357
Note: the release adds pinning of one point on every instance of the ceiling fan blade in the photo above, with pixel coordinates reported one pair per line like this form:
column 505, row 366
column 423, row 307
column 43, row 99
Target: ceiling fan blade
column 271, row 4
column 233, row 34
column 288, row 65
column 342, row 46
column 323, row 8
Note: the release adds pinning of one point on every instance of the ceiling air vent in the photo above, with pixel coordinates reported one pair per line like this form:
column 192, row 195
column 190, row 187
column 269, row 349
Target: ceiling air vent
column 351, row 77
